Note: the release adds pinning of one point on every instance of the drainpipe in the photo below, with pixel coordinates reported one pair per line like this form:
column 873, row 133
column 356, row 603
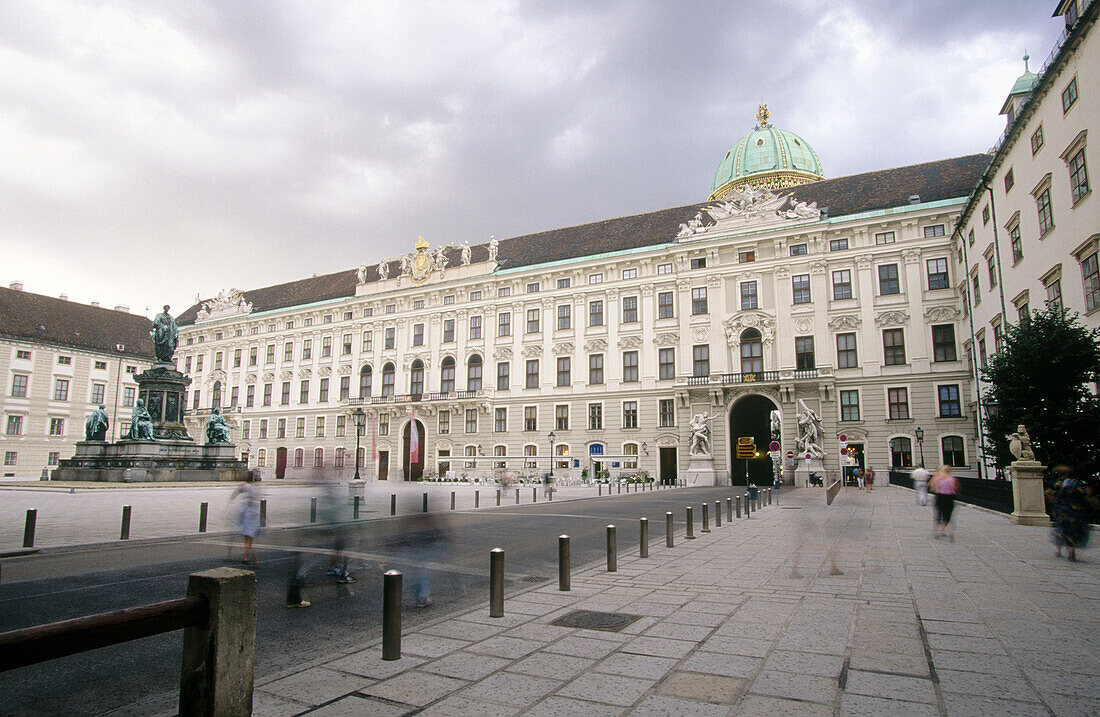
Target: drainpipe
column 975, row 366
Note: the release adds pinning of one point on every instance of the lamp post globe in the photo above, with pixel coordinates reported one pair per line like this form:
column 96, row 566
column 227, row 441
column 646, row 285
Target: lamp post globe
column 920, row 443
column 360, row 420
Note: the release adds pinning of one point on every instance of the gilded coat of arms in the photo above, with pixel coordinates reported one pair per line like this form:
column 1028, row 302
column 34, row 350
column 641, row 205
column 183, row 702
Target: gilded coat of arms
column 421, row 262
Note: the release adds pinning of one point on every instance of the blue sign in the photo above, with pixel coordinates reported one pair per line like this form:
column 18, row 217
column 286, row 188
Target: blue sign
column 576, row 462
column 614, row 464
column 596, row 449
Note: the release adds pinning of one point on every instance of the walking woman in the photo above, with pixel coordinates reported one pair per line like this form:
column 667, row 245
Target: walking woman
column 946, row 486
column 248, row 516
column 1069, row 517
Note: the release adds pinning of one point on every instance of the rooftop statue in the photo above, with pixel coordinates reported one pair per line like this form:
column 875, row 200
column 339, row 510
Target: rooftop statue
column 217, row 430
column 466, row 253
column 494, row 247
column 141, row 423
column 165, row 335
column 384, row 269
column 95, row 426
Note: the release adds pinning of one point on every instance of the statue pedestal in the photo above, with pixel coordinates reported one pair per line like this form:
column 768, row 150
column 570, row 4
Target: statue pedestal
column 151, row 462
column 1027, row 494
column 356, row 489
column 163, row 390
column 701, row 471
column 807, row 466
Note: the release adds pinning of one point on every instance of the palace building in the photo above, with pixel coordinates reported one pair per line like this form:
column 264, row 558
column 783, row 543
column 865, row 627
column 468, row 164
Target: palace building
column 784, row 289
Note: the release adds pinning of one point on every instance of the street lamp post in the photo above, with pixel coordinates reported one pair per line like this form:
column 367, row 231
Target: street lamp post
column 920, row 442
column 360, row 420
column 551, row 437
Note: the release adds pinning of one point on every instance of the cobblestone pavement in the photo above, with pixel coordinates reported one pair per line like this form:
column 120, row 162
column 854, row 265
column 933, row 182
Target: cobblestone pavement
column 804, row 609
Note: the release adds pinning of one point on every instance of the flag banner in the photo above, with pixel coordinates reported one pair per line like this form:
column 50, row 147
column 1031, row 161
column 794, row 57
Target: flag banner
column 373, row 439
column 414, row 440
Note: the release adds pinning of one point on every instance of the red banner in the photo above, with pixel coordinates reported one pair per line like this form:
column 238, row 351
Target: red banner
column 414, row 440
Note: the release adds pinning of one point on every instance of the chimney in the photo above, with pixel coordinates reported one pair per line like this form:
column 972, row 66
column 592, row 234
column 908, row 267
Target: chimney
column 123, row 308
column 17, row 285
column 64, row 297
column 95, row 303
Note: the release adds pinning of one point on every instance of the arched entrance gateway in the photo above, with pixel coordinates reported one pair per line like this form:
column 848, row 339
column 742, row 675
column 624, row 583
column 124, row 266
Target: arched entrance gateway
column 413, row 470
column 751, row 416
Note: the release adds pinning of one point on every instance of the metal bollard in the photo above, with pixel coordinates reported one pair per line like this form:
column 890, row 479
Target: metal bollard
column 203, row 510
column 452, row 500
column 313, row 510
column 28, row 528
column 777, row 497
column 534, row 495
column 425, row 506
column 706, row 517
column 498, row 496
column 477, row 498
column 612, row 550
column 355, row 508
column 643, row 538
column 125, row 533
column 496, row 582
column 599, row 490
column 729, row 509
column 670, row 539
column 618, row 489
column 563, row 562
column 748, row 507
column 393, row 503
column 738, row 506
column 770, row 496
column 391, row 615
column 517, row 496
column 691, row 524
column 263, row 512
column 717, row 514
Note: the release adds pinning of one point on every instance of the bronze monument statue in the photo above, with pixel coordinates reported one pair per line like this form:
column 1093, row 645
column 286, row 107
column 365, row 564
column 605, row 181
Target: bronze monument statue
column 217, row 430
column 165, row 335
column 95, row 426
column 141, row 423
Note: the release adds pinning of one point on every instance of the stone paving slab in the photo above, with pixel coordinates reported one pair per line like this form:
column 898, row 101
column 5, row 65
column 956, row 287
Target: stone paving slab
column 911, row 627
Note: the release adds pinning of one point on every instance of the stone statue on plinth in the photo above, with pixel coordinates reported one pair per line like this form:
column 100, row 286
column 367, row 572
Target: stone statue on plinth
column 165, row 335
column 96, row 425
column 1019, row 444
column 809, row 432
column 700, row 434
column 1028, row 497
column 217, row 430
column 141, row 423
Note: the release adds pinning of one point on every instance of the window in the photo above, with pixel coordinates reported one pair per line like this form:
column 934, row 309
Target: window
column 345, row 388
column 503, row 369
column 595, row 369
column 838, row 244
column 533, row 321
column 416, row 378
column 804, row 353
column 595, row 278
column 700, row 360
column 630, row 309
column 444, row 422
column 970, row 239
column 267, row 394
column 504, row 291
column 888, row 282
column 666, row 413
column 901, row 452
column 1091, row 277
column 666, row 362
column 561, row 417
column 500, row 420
column 699, row 300
column 100, row 365
column 937, row 274
column 533, row 288
column 1054, row 294
column 99, row 390
column 953, row 451
column 752, row 352
column 368, row 341
column 263, row 429
column 338, row 458
column 383, row 424
column 532, row 373
column 842, row 284
column 1046, row 214
column 563, row 283
column 303, row 393
column 473, row 296
column 565, row 317
column 983, row 355
column 270, row 354
column 595, row 313
column 563, row 378
column 846, row 356
column 1069, row 95
column 447, row 375
column 418, row 334
column 531, row 452
column 57, row 426
column 976, row 288
column 748, row 295
column 595, row 416
column 1016, row 242
column 129, row 394
column 391, row 308
column 65, row 360
column 504, row 323
column 664, row 305
column 800, row 283
column 630, row 274
column 19, row 385
column 299, row 457
column 448, row 330
column 849, row 405
column 216, row 395
column 11, row 458
column 1010, row 180
column 319, row 427
column 196, row 401
column 743, row 257
column 322, row 391
column 288, row 351
column 61, row 389
column 664, row 269
column 252, row 358
column 22, row 355
column 943, row 343
column 387, row 379
column 530, row 418
column 897, row 399
column 198, row 362
column 280, row 430
column 950, row 407
column 475, row 327
column 342, row 425
column 448, row 299
column 389, row 340
column 218, row 361
column 798, row 249
column 473, row 373
column 699, row 263
column 15, row 426
column 884, row 238
column 1037, row 140
column 985, row 215
column 1078, row 176
column 991, row 267
column 471, row 420
column 630, row 414
column 366, row 377
column 935, row 230
column 53, row 457
column 1072, row 14
column 893, row 343
column 630, row 366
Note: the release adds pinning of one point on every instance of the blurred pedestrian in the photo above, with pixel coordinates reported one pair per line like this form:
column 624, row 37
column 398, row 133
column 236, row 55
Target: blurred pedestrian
column 432, row 543
column 860, row 478
column 869, row 478
column 920, row 483
column 248, row 515
column 330, row 517
column 946, row 487
column 1069, row 517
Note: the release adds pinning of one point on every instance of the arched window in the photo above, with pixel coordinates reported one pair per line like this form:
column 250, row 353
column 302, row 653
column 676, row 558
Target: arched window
column 319, row 458
column 561, row 450
column 365, row 377
column 752, row 352
column 299, row 457
column 261, row 458
column 470, row 451
column 530, row 451
column 630, row 453
column 953, row 454
column 339, row 459
column 387, row 380
column 473, row 373
column 216, row 395
column 416, row 378
column 447, row 375
column 901, row 452
column 500, row 451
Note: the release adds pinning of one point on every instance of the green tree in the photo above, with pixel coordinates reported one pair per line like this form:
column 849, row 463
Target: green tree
column 1045, row 378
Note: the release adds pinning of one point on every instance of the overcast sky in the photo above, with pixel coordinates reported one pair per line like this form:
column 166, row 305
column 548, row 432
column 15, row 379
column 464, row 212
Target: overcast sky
column 152, row 151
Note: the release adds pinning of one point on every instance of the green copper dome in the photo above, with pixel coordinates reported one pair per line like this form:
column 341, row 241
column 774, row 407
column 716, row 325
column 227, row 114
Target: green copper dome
column 767, row 157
